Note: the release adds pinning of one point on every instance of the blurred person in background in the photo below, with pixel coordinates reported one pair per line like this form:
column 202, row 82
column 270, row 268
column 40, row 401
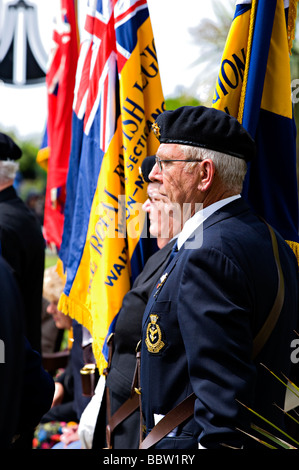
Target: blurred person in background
column 69, row 401
column 21, row 241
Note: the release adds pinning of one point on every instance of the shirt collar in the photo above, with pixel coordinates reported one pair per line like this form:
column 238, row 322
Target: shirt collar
column 199, row 217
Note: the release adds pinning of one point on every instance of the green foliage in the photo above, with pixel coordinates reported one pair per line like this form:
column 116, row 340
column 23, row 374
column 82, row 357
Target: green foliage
column 28, row 165
column 265, row 433
column 50, row 259
column 182, row 100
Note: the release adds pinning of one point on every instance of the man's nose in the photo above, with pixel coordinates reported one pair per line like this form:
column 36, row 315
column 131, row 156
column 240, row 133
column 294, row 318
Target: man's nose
column 51, row 308
column 155, row 174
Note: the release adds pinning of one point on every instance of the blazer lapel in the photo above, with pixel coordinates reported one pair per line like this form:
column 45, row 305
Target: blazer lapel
column 160, row 284
column 157, row 261
column 230, row 210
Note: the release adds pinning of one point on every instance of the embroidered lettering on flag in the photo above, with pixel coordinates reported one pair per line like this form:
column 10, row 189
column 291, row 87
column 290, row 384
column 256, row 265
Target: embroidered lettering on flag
column 114, row 109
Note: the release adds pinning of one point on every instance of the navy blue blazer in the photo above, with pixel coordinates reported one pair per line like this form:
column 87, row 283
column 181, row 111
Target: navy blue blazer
column 199, row 325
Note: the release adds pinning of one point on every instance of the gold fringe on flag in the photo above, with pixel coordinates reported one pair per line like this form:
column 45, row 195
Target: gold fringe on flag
column 75, row 311
column 292, row 23
column 83, row 316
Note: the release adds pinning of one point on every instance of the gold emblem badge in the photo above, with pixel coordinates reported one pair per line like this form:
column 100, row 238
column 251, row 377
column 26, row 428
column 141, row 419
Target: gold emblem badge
column 156, row 130
column 153, row 338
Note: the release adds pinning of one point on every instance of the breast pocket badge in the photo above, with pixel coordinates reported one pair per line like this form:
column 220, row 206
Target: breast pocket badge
column 153, row 338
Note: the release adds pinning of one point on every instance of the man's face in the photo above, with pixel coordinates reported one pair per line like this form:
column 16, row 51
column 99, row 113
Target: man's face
column 179, row 185
column 160, row 212
column 61, row 321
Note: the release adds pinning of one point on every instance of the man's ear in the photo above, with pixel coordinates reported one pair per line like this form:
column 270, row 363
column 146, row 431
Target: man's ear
column 207, row 172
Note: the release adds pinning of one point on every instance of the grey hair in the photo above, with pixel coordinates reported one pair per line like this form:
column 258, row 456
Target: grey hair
column 231, row 170
column 8, row 171
column 53, row 284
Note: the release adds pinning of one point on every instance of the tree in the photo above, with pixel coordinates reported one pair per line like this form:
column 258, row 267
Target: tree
column 211, row 35
column 182, row 100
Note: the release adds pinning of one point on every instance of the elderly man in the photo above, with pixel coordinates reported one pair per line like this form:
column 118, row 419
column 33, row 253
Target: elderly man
column 200, row 325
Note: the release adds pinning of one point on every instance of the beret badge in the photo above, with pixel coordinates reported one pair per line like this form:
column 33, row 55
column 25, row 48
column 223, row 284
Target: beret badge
column 156, row 130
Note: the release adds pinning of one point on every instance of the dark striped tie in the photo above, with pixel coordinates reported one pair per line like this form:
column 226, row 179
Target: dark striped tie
column 173, row 252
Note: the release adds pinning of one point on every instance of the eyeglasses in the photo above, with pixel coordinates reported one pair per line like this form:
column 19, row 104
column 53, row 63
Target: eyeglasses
column 159, row 162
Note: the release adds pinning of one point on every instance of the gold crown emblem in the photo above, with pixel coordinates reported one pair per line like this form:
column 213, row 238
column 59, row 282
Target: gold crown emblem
column 156, row 130
column 154, row 319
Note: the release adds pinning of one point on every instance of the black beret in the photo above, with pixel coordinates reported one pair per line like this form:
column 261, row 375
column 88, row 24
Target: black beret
column 9, row 150
column 209, row 128
column 147, row 166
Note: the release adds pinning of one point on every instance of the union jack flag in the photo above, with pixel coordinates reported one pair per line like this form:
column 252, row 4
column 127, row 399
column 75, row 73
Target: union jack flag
column 108, row 43
column 114, row 77
column 84, row 61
